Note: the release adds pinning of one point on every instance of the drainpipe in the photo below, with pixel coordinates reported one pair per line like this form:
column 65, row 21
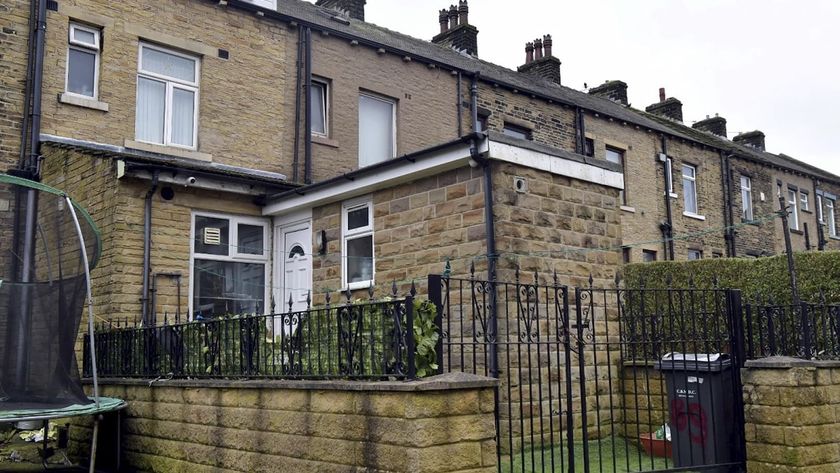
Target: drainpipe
column 820, row 234
column 668, row 226
column 298, row 80
column 580, row 132
column 728, row 216
column 307, row 132
column 27, row 95
column 147, row 252
column 37, row 88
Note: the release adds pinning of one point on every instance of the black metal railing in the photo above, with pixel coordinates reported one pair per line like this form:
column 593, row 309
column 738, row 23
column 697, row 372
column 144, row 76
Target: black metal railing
column 806, row 330
column 369, row 339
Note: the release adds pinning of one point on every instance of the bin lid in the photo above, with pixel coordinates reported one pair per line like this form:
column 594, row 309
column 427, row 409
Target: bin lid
column 708, row 362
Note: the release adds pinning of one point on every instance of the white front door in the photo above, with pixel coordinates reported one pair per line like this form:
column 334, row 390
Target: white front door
column 294, row 258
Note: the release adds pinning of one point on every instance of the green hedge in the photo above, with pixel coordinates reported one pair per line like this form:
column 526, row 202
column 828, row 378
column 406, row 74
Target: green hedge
column 755, row 277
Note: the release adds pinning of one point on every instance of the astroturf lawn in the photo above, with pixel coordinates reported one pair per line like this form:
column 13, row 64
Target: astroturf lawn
column 628, row 457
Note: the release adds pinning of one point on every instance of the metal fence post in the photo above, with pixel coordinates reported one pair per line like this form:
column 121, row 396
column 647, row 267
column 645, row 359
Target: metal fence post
column 409, row 331
column 436, row 298
column 806, row 331
column 735, row 313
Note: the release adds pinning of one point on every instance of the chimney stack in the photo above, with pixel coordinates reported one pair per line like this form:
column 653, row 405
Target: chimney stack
column 539, row 60
column 668, row 108
column 753, row 139
column 351, row 8
column 455, row 30
column 614, row 90
column 715, row 125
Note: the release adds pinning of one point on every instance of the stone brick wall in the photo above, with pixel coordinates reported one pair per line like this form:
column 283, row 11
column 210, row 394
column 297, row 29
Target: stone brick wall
column 14, row 41
column 644, row 400
column 792, row 420
column 440, row 424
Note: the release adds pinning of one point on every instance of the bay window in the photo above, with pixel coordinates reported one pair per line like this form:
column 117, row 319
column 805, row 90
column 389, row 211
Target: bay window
column 357, row 243
column 229, row 265
column 167, row 97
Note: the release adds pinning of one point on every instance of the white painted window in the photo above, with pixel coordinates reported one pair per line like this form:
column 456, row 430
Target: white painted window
column 669, row 176
column 319, row 104
column 82, row 75
column 689, row 180
column 615, row 155
column 804, row 203
column 695, row 255
column 794, row 213
column 229, row 265
column 272, row 4
column 357, row 243
column 746, row 199
column 377, row 129
column 167, row 97
column 829, row 215
column 820, row 209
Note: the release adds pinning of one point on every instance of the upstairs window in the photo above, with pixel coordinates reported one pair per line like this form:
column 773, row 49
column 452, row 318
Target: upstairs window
column 83, row 61
column 377, row 129
column 794, row 214
column 516, row 131
column 615, row 155
column 689, row 181
column 357, row 243
column 319, row 104
column 167, row 97
column 829, row 215
column 589, row 147
column 820, row 209
column 804, row 203
column 648, row 256
column 746, row 199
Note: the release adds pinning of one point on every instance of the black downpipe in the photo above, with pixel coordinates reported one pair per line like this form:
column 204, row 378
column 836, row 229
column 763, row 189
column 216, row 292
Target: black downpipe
column 580, row 131
column 820, row 234
column 728, row 216
column 147, row 252
column 307, row 132
column 27, row 94
column 668, row 227
column 298, row 80
column 37, row 88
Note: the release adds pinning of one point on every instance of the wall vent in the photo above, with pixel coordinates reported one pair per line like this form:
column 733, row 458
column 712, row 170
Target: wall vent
column 212, row 236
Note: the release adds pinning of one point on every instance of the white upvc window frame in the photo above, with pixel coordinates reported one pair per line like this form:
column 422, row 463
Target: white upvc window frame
column 793, row 207
column 697, row 253
column 171, row 84
column 693, row 179
column 831, row 205
column 820, row 217
column 393, row 103
column 361, row 232
column 804, row 201
column 233, row 256
column 669, row 177
column 95, row 48
column 325, row 87
column 622, row 157
column 746, row 199
column 270, row 4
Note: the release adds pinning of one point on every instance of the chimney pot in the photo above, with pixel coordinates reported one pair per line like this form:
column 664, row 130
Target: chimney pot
column 661, row 94
column 463, row 12
column 547, row 43
column 538, row 49
column 443, row 18
column 453, row 17
column 529, row 53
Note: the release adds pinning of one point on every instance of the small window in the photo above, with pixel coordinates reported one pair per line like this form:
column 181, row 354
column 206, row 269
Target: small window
column 794, row 214
column 830, row 204
column 377, row 129
column 626, row 254
column 615, row 155
column 804, row 203
column 820, row 216
column 482, row 123
column 648, row 256
column 589, row 147
column 357, row 244
column 230, row 263
column 695, row 255
column 83, row 61
column 167, row 97
column 689, row 181
column 319, row 104
column 516, row 131
column 272, row 4
column 746, row 199
column 669, row 175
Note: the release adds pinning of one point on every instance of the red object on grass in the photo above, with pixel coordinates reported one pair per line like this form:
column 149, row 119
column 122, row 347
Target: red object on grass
column 655, row 447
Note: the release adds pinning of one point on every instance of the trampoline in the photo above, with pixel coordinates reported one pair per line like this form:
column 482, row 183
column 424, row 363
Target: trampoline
column 48, row 245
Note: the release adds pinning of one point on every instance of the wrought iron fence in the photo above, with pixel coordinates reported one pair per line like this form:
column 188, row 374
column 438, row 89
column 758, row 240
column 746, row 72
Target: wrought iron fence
column 806, row 330
column 352, row 339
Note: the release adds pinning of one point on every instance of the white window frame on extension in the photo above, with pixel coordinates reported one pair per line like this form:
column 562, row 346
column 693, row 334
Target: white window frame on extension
column 746, row 199
column 364, row 160
column 325, row 108
column 232, row 252
column 793, row 200
column 171, row 84
column 348, row 235
column 689, row 183
column 94, row 48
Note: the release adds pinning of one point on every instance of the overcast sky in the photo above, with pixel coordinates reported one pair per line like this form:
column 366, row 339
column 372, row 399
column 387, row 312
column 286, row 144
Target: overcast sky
column 769, row 65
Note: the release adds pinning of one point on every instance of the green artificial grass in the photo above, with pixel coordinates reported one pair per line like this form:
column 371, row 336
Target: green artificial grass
column 629, row 457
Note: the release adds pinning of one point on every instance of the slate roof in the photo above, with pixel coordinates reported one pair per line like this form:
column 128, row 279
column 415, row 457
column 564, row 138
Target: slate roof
column 399, row 43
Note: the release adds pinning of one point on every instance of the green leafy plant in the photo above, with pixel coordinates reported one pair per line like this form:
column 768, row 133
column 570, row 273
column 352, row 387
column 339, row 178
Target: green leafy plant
column 426, row 337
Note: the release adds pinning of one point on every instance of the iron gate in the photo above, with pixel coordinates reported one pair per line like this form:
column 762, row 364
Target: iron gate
column 579, row 385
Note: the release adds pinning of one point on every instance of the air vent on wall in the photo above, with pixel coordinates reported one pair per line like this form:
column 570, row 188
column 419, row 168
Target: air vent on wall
column 52, row 5
column 224, row 54
column 212, row 236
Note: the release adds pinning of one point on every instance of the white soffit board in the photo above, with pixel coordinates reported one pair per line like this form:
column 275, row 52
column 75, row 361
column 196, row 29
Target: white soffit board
column 555, row 165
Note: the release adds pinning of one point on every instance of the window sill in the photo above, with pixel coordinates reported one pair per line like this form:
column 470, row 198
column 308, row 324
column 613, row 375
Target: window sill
column 673, row 195
column 806, row 211
column 834, row 237
column 323, row 140
column 355, row 286
column 84, row 102
column 797, row 232
column 628, row 209
column 754, row 223
column 169, row 150
column 694, row 216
